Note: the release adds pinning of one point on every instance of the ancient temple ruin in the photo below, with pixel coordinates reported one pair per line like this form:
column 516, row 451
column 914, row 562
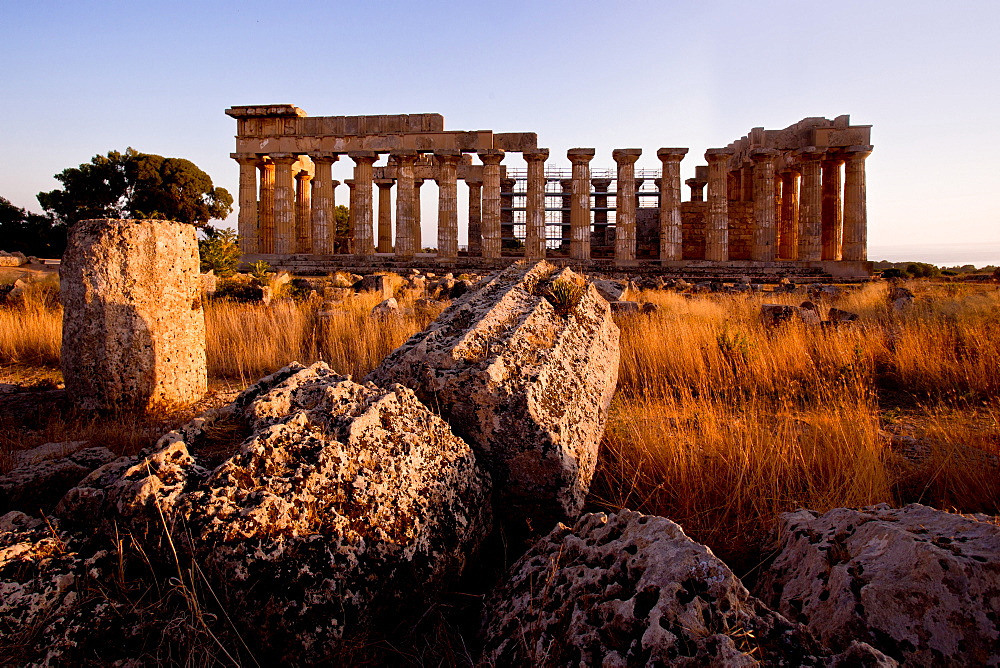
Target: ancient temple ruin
column 792, row 198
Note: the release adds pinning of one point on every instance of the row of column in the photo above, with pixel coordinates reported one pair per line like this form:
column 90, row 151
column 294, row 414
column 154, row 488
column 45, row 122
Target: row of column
column 812, row 222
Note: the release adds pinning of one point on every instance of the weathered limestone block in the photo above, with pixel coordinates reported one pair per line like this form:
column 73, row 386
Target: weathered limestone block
column 633, row 590
column 346, row 505
column 615, row 290
column 384, row 284
column 385, row 309
column 15, row 259
column 773, row 315
column 133, row 324
column 528, row 385
column 921, row 585
column 39, row 485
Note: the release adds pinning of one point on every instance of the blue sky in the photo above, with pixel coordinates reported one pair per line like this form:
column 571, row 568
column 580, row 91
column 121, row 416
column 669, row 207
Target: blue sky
column 81, row 78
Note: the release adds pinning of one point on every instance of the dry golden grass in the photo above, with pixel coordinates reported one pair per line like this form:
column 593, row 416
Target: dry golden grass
column 721, row 423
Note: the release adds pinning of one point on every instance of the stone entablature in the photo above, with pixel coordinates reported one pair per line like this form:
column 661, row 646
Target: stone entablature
column 796, row 194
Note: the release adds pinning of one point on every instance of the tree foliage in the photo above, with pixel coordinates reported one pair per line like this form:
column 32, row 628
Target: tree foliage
column 342, row 225
column 220, row 251
column 136, row 185
column 30, row 233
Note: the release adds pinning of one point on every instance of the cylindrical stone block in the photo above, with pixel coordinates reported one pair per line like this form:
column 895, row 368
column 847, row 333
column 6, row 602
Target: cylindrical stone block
column 265, row 210
column 579, row 215
column 247, row 222
column 764, row 246
column 405, row 247
column 491, row 159
column 833, row 221
column 384, row 215
column 303, row 213
column 133, row 324
column 447, row 204
column 475, row 217
column 284, row 204
column 364, row 243
column 322, row 217
column 788, row 239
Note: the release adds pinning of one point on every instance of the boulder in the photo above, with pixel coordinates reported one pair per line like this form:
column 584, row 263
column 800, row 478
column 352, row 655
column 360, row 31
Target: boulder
column 526, row 381
column 773, row 315
column 209, row 283
column 649, row 308
column 837, row 316
column 386, row 309
column 38, row 485
column 919, row 584
column 614, row 290
column 15, row 259
column 346, row 507
column 624, row 308
column 900, row 298
column 46, row 451
column 133, row 324
column 384, row 284
column 633, row 590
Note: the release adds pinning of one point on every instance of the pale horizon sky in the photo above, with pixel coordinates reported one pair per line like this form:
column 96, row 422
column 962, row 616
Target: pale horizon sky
column 83, row 78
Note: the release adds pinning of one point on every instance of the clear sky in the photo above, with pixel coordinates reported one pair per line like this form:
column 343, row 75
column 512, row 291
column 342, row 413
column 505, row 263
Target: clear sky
column 81, row 78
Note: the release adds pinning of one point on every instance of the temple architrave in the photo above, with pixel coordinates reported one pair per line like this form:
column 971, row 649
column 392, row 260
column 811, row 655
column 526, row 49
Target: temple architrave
column 792, row 199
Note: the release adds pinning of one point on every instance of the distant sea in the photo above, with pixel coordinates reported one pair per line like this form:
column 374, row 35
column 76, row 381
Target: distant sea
column 943, row 255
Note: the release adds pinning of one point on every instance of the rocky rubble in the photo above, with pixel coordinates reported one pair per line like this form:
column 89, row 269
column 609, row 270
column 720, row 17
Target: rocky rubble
column 345, row 505
column 527, row 385
column 632, row 590
column 38, row 484
column 919, row 584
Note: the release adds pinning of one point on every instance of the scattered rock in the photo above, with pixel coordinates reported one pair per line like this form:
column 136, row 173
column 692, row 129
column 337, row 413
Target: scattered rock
column 613, row 291
column 900, row 298
column 919, row 584
column 15, row 259
column 624, row 308
column 346, row 505
column 209, row 283
column 527, row 386
column 837, row 316
column 773, row 315
column 633, row 590
column 386, row 309
column 650, row 308
column 384, row 284
column 38, row 486
column 47, row 451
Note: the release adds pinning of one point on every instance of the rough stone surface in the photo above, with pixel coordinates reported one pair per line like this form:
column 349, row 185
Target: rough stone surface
column 133, row 324
column 386, row 308
column 899, row 298
column 775, row 314
column 384, row 284
column 624, row 308
column 633, row 590
column 47, row 451
column 614, row 290
column 15, row 259
column 347, row 504
column 528, row 386
column 38, row 485
column 919, row 584
column 837, row 316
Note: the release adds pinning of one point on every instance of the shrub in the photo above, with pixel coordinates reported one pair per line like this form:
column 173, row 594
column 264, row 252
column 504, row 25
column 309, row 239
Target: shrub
column 220, row 251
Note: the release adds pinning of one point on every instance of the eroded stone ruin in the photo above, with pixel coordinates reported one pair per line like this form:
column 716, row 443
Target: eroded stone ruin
column 775, row 197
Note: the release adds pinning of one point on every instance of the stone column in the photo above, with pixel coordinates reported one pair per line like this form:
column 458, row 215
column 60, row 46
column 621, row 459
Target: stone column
column 671, row 230
column 246, row 226
column 698, row 183
column 348, row 244
column 746, row 183
column 566, row 215
column 833, row 220
column 810, row 205
column 601, row 210
column 579, row 214
column 265, row 210
column 534, row 236
column 303, row 213
column 491, row 201
column 507, row 212
column 788, row 239
column 638, row 187
column 717, row 220
column 447, row 238
column 404, row 203
column 364, row 244
column 475, row 217
column 418, row 230
column 284, row 203
column 764, row 246
column 384, row 215
column 334, row 233
column 855, row 206
column 133, row 330
column 625, row 204
column 323, row 217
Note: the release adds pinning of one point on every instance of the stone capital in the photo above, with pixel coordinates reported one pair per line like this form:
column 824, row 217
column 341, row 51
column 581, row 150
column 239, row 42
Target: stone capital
column 417, row 183
column 716, row 155
column 403, row 157
column 508, row 183
column 474, row 183
column 764, row 154
column 361, row 157
column 447, row 156
column 303, row 175
column 580, row 156
column 601, row 183
column 284, row 159
column 491, row 156
column 245, row 158
column 809, row 153
column 325, row 157
column 671, row 154
column 567, row 184
column 857, row 152
column 384, row 183
column 334, row 183
column 537, row 155
column 349, row 183
column 626, row 156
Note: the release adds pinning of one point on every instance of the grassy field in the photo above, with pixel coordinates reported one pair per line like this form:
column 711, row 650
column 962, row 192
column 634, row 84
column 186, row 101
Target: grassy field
column 719, row 423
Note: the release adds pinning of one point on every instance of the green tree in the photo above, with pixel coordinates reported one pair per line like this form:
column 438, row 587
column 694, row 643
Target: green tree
column 342, row 223
column 30, row 233
column 136, row 185
column 220, row 251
